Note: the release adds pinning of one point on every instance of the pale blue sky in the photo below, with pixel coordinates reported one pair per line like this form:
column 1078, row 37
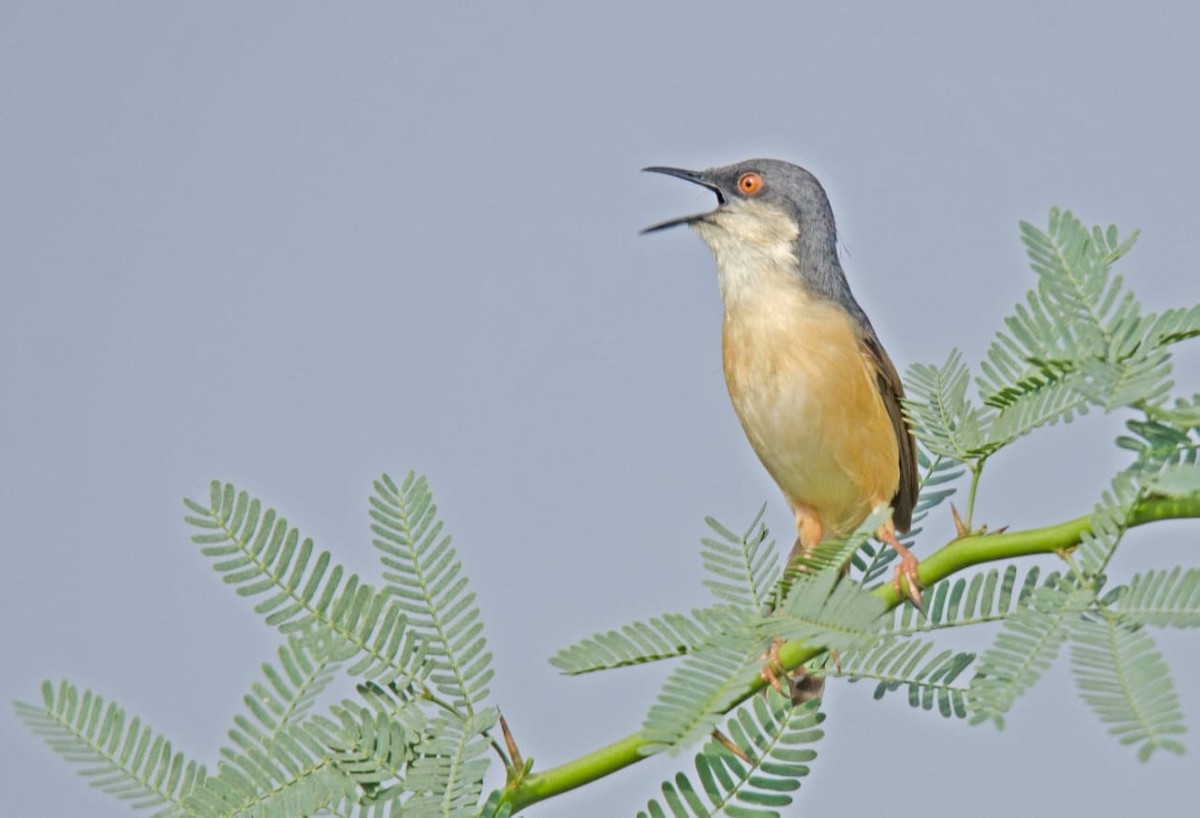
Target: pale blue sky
column 294, row 245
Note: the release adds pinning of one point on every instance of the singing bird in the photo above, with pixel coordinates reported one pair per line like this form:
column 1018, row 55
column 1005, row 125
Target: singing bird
column 814, row 389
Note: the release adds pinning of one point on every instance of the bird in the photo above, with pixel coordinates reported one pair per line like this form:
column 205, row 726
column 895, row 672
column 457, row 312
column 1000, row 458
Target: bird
column 815, row 391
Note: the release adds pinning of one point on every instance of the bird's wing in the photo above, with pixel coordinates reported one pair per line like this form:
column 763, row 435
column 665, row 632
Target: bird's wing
column 891, row 390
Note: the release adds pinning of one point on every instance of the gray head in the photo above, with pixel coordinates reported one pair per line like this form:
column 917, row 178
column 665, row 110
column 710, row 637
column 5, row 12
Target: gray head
column 768, row 211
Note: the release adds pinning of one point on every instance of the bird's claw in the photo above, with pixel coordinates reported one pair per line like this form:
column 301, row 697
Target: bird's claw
column 774, row 668
column 798, row 686
column 907, row 570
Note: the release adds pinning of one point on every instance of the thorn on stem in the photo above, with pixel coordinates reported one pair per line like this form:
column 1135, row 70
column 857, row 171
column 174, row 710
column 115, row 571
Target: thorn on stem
column 960, row 528
column 513, row 753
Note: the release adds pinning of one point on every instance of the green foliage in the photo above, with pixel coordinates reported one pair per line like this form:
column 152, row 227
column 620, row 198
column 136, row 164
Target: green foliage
column 987, row 596
column 724, row 646
column 308, row 663
column 897, row 663
column 1028, row 643
column 826, row 609
column 263, row 556
column 447, row 775
column 1180, row 479
column 744, row 568
column 1125, row 680
column 705, row 685
column 496, row 807
column 399, row 748
column 416, row 736
column 772, row 735
column 1165, row 598
column 1080, row 338
column 424, row 573
column 1158, row 444
column 666, row 637
column 292, row 774
column 123, row 758
column 368, row 747
column 943, row 416
column 938, row 474
column 1118, row 669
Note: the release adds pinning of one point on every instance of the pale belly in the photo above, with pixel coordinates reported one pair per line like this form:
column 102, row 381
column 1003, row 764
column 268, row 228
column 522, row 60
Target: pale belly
column 807, row 398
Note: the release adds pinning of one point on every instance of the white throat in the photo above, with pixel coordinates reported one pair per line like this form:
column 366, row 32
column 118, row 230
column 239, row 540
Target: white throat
column 754, row 246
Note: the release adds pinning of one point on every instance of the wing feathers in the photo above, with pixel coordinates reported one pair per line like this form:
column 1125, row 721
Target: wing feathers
column 891, row 390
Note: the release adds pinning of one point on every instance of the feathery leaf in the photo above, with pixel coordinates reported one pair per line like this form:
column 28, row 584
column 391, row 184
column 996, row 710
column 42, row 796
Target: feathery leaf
column 1168, row 598
column 1123, row 677
column 896, row 663
column 1178, row 480
column 828, row 610
column 1028, row 642
column 368, row 747
column 124, row 759
column 307, row 664
column 988, row 596
column 941, row 414
column 446, row 777
column 663, row 637
column 290, row 775
column 261, row 554
column 742, row 569
column 1107, row 525
column 426, row 576
column 695, row 695
column 774, row 735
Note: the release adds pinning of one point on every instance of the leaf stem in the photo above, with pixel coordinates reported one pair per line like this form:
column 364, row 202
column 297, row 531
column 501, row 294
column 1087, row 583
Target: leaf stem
column 428, row 695
column 956, row 556
column 976, row 468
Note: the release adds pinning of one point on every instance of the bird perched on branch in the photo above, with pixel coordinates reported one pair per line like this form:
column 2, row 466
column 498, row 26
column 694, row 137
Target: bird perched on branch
column 817, row 395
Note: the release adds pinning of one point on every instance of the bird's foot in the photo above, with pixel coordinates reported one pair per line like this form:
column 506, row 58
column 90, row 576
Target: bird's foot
column 797, row 685
column 774, row 668
column 906, row 571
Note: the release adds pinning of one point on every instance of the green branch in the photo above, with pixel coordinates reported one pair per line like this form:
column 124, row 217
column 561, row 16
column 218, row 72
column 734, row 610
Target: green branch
column 950, row 559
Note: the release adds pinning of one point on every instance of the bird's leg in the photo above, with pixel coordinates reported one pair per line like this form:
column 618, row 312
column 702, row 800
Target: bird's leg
column 809, row 532
column 808, row 536
column 907, row 568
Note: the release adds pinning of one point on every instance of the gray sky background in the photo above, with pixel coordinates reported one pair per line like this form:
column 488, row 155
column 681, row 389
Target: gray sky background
column 293, row 245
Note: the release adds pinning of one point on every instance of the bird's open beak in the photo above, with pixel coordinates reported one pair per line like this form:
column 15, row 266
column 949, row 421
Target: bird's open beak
column 697, row 177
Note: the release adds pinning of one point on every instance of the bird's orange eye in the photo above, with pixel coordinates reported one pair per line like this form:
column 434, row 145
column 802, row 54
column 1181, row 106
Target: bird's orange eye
column 750, row 183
